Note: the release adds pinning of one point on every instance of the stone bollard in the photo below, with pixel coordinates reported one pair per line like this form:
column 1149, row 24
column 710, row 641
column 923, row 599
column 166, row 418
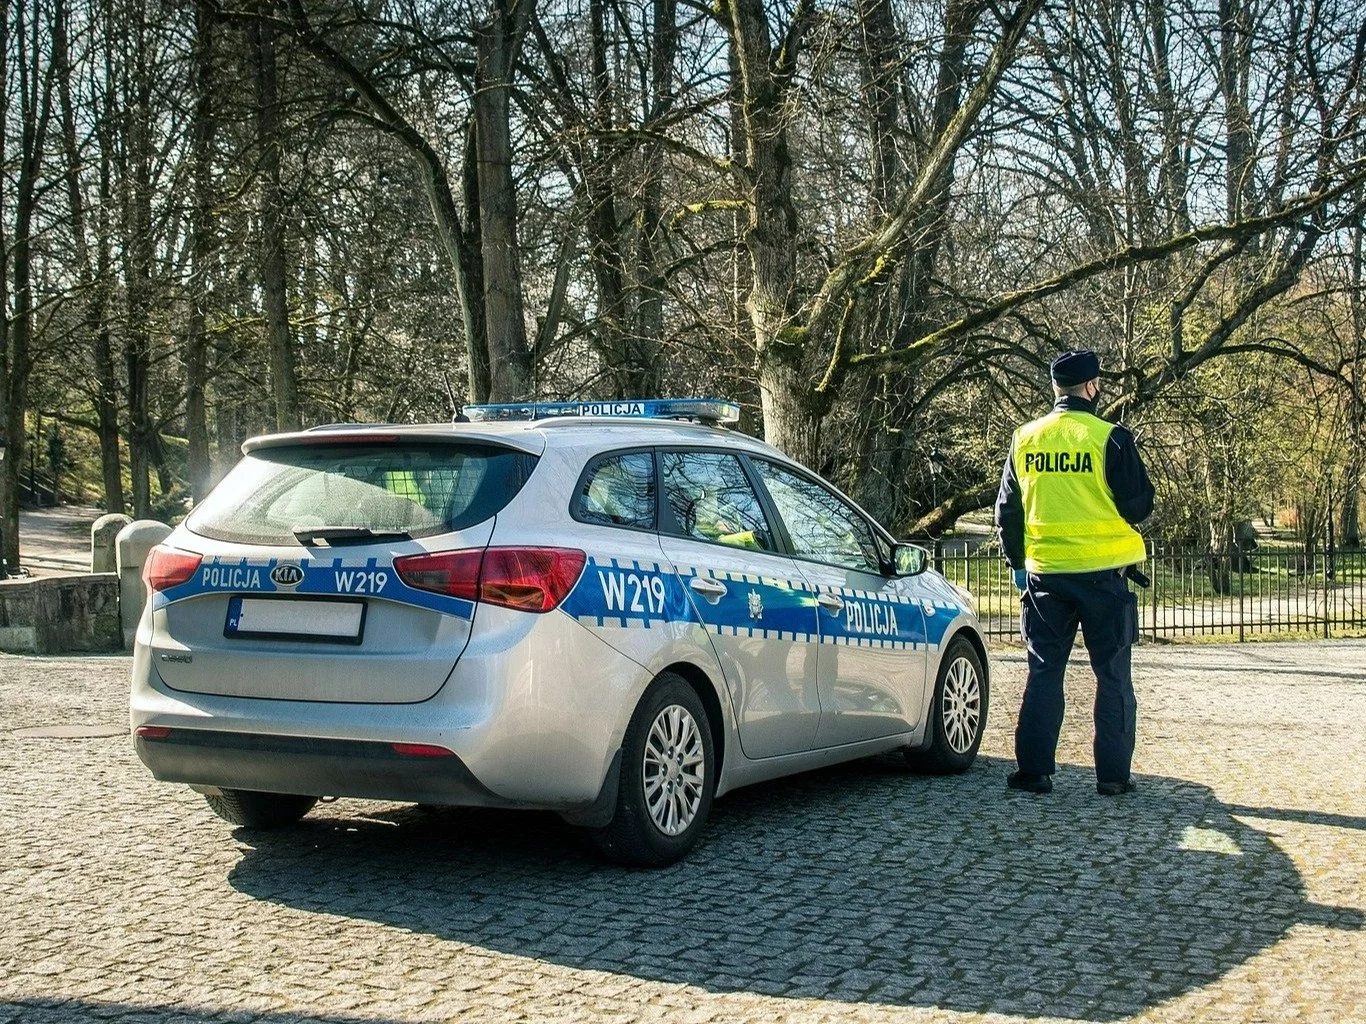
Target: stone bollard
column 103, row 532
column 133, row 544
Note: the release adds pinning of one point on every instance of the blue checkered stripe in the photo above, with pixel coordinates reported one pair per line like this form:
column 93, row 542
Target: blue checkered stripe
column 877, row 619
column 629, row 594
column 635, row 594
column 335, row 578
column 754, row 605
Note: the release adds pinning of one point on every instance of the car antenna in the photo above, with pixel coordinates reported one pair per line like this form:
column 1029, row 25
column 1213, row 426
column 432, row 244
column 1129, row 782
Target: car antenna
column 457, row 410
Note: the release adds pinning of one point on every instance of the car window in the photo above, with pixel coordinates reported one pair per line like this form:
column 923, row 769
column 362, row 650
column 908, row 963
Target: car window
column 820, row 524
column 618, row 490
column 418, row 489
column 711, row 499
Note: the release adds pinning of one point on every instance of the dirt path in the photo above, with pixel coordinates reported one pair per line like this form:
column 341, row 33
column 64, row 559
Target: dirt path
column 56, row 541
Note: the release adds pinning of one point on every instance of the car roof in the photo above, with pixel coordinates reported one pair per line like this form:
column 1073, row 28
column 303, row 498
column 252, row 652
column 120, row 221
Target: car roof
column 533, row 436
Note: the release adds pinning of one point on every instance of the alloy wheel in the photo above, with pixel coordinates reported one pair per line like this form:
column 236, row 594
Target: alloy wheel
column 674, row 769
column 962, row 707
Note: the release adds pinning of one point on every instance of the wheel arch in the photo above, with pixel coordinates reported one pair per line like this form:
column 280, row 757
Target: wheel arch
column 978, row 644
column 711, row 700
column 933, row 755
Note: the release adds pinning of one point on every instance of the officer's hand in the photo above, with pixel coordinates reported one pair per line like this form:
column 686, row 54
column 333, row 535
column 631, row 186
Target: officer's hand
column 1021, row 579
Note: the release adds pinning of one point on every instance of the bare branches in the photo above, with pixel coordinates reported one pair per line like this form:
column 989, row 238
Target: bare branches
column 892, row 237
column 1129, row 256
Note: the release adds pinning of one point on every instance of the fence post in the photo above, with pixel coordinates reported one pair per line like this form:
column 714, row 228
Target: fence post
column 1242, row 616
column 1328, row 575
column 1152, row 555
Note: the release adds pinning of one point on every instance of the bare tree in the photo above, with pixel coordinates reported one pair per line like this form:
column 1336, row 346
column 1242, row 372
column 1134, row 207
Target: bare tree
column 28, row 69
column 283, row 373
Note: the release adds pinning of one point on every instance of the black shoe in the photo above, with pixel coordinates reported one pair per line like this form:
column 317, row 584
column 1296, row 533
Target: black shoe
column 1030, row 783
column 1115, row 788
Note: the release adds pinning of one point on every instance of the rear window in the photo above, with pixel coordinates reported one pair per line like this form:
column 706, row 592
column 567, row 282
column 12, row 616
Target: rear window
column 420, row 490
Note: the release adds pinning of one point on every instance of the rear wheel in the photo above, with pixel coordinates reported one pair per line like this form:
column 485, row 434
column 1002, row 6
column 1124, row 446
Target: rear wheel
column 958, row 715
column 668, row 776
column 259, row 810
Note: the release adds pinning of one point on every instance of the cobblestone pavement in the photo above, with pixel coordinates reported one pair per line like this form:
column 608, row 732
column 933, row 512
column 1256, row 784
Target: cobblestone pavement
column 1230, row 888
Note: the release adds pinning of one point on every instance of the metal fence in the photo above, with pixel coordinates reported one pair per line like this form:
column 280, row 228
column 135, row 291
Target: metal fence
column 1238, row 596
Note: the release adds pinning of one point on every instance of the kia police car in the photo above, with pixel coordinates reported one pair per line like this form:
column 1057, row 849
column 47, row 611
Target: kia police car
column 617, row 612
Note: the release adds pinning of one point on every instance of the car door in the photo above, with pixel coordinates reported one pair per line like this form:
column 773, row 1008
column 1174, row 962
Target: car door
column 871, row 668
column 756, row 604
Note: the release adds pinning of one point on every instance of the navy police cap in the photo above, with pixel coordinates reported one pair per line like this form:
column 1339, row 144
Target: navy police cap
column 1073, row 368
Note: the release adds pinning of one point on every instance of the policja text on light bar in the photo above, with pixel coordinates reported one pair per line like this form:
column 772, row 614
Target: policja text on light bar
column 704, row 410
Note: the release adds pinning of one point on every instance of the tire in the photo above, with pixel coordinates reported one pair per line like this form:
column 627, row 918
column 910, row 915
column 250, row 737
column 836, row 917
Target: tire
column 668, row 776
column 958, row 715
column 259, row 810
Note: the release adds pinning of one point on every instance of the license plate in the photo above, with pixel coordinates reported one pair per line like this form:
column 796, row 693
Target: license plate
column 294, row 618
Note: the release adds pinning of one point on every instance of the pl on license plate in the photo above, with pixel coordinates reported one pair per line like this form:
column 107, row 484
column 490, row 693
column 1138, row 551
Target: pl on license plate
column 295, row 618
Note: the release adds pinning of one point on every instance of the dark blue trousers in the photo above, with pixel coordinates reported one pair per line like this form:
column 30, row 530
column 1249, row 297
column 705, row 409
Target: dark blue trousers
column 1051, row 608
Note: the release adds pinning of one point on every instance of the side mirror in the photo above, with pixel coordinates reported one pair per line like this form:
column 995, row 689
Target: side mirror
column 909, row 560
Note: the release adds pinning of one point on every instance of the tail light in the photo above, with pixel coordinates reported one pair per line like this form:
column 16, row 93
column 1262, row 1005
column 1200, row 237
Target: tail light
column 167, row 567
column 453, row 573
column 420, row 750
column 527, row 579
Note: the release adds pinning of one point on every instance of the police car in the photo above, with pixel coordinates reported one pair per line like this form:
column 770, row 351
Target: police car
column 615, row 611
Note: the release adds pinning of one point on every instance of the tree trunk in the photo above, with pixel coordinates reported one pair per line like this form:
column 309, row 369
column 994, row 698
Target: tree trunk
column 94, row 270
column 107, row 415
column 741, row 276
column 198, row 465
column 138, row 257
column 1172, row 171
column 12, row 452
column 600, row 172
column 1221, row 529
column 283, row 371
column 1350, row 526
column 34, row 74
column 497, row 38
column 1235, row 59
column 649, row 319
column 470, row 245
column 898, row 313
column 771, row 239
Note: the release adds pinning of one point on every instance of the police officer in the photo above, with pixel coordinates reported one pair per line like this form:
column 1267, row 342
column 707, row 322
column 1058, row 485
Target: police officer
column 1072, row 491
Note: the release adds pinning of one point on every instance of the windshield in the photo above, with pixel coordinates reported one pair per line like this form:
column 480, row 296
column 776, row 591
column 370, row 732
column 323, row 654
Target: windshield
column 360, row 491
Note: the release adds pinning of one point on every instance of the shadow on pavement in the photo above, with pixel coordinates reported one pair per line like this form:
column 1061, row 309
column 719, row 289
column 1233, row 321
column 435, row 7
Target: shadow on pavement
column 1303, row 817
column 1311, row 672
column 858, row 883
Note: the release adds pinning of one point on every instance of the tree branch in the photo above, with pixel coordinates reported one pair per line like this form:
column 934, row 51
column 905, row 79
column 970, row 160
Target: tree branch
column 1128, row 256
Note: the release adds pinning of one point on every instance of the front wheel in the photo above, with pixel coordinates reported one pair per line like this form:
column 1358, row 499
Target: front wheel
column 958, row 715
column 668, row 776
column 259, row 810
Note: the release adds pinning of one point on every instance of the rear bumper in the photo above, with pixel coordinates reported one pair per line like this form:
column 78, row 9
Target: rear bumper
column 534, row 712
column 310, row 767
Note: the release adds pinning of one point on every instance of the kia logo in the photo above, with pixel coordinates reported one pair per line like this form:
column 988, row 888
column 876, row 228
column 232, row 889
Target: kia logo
column 287, row 575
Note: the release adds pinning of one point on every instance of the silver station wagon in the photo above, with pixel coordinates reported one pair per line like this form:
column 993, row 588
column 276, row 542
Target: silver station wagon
column 616, row 611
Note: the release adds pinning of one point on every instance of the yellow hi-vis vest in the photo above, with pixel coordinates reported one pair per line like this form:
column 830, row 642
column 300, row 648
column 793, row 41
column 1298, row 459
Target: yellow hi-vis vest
column 403, row 483
column 1070, row 520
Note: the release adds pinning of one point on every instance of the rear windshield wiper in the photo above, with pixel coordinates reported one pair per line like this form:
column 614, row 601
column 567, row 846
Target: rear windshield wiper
column 345, row 534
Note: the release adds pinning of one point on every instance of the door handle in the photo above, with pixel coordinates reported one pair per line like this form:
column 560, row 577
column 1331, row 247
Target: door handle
column 832, row 603
column 712, row 590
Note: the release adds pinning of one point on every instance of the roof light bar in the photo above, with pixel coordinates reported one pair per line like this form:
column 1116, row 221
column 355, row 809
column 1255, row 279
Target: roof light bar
column 703, row 410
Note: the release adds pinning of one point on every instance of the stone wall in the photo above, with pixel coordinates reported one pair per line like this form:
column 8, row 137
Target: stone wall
column 60, row 614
